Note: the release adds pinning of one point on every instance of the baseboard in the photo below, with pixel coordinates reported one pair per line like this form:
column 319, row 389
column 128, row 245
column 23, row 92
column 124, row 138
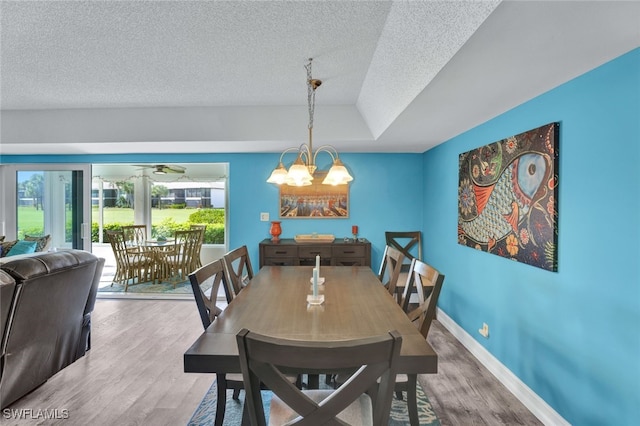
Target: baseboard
column 519, row 389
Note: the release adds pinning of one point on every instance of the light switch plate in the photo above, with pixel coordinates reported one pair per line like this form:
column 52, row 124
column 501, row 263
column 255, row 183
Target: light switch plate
column 264, row 217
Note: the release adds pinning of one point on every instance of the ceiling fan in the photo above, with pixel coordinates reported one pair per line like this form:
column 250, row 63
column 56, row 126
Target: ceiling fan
column 163, row 169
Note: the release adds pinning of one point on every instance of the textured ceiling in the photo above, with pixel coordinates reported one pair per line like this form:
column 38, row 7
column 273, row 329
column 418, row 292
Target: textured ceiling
column 228, row 76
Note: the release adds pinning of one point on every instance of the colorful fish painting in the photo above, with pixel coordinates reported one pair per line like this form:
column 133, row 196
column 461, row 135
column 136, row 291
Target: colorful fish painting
column 507, row 197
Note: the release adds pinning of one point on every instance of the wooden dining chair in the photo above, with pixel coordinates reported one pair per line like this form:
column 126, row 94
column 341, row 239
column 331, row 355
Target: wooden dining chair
column 265, row 359
column 410, row 244
column 134, row 238
column 426, row 282
column 131, row 267
column 390, row 270
column 205, row 283
column 180, row 257
column 197, row 262
column 135, row 233
column 238, row 269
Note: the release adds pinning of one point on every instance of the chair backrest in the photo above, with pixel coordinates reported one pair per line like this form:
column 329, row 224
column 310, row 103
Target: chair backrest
column 135, row 233
column 202, row 229
column 265, row 359
column 408, row 242
column 238, row 269
column 427, row 282
column 205, row 283
column 118, row 244
column 390, row 268
column 187, row 243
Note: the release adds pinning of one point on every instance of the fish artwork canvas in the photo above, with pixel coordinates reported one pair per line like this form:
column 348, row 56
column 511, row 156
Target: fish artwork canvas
column 508, row 197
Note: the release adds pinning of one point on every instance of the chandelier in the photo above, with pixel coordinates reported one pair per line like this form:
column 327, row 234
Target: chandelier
column 301, row 171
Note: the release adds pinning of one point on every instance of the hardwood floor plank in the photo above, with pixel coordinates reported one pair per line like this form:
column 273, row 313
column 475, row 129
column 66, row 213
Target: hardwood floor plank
column 464, row 392
column 133, row 375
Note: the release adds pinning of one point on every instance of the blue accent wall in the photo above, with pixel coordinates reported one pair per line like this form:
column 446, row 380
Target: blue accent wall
column 572, row 336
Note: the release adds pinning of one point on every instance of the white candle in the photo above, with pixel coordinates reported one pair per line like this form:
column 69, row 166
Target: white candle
column 318, row 263
column 315, row 282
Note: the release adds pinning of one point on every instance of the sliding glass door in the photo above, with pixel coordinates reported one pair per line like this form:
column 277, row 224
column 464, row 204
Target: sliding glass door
column 47, row 199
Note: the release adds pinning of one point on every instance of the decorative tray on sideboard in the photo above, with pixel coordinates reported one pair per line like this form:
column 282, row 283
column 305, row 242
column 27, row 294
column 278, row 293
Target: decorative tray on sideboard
column 314, row 238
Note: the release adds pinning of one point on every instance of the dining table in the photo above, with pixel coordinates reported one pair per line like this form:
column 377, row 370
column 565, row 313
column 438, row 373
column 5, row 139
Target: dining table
column 356, row 305
column 157, row 251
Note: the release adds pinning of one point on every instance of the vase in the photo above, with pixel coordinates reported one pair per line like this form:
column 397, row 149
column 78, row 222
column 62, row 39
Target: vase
column 275, row 231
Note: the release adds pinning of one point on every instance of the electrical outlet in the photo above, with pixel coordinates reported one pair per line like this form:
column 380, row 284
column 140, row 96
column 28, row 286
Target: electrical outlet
column 484, row 331
column 264, row 217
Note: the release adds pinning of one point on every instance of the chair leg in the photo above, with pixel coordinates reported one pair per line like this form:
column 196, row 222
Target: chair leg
column 236, row 394
column 221, row 405
column 412, row 400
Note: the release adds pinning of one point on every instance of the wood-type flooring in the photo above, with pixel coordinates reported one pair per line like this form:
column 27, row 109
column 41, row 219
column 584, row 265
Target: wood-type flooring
column 133, row 375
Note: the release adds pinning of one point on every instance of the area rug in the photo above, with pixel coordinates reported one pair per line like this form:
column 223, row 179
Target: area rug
column 148, row 287
column 205, row 414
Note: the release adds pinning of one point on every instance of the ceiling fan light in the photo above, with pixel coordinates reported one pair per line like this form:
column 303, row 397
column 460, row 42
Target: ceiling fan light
column 279, row 175
column 159, row 172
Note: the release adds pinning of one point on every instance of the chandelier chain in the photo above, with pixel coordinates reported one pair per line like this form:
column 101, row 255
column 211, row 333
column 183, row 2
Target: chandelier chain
column 311, row 94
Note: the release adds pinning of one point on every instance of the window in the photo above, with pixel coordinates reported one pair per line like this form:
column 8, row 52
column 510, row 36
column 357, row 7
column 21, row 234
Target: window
column 137, row 194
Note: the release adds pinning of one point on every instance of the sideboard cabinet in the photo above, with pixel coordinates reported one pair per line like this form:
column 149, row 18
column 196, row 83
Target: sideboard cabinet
column 288, row 252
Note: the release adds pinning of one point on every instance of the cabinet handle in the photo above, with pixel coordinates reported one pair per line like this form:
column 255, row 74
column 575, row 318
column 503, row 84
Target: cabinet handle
column 281, row 252
column 349, row 251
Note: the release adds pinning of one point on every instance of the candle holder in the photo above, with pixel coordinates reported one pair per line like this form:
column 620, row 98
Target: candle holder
column 354, row 231
column 315, row 300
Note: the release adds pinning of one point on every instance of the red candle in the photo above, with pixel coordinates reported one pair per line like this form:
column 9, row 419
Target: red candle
column 354, row 229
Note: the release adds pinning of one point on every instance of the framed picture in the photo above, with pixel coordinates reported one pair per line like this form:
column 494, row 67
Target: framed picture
column 508, row 197
column 316, row 201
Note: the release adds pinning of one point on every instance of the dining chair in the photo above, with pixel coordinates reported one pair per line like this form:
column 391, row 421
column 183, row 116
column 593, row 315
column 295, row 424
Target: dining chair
column 410, row 244
column 264, row 359
column 213, row 274
column 134, row 238
column 135, row 233
column 427, row 282
column 130, row 266
column 179, row 258
column 390, row 270
column 238, row 269
column 197, row 262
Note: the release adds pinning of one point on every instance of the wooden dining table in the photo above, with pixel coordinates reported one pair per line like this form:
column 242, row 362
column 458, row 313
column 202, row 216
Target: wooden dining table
column 356, row 305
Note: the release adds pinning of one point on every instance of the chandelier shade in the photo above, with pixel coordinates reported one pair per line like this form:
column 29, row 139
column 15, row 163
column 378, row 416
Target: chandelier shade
column 300, row 173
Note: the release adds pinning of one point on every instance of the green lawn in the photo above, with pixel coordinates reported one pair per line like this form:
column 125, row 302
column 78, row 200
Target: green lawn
column 118, row 215
column 31, row 221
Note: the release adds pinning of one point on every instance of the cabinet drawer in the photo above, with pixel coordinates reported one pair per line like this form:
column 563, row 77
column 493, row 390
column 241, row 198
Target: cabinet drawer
column 281, row 251
column 349, row 251
column 313, row 251
column 280, row 261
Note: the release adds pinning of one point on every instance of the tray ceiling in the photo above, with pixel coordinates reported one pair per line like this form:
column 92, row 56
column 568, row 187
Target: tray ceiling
column 228, row 76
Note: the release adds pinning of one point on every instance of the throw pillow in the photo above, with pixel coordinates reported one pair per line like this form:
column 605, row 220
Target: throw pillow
column 22, row 247
column 42, row 242
column 2, row 239
column 6, row 246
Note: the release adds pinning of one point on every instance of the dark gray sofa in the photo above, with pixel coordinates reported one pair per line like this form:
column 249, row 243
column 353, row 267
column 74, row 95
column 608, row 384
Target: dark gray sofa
column 45, row 317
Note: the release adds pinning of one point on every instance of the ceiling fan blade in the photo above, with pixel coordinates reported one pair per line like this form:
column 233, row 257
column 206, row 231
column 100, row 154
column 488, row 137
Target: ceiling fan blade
column 174, row 169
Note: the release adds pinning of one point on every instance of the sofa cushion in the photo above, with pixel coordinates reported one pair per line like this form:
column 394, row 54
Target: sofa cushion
column 43, row 243
column 7, row 289
column 6, row 246
column 22, row 247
